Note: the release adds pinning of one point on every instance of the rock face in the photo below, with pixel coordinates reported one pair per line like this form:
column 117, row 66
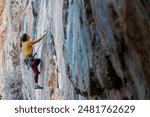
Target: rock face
column 3, row 29
column 94, row 49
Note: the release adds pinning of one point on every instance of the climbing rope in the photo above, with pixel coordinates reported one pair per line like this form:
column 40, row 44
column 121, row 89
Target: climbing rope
column 35, row 54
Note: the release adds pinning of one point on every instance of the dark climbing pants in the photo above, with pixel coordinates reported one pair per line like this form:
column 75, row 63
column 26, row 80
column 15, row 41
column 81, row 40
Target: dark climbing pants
column 35, row 69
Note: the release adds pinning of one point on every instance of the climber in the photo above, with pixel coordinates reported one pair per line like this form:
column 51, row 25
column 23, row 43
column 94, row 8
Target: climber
column 29, row 58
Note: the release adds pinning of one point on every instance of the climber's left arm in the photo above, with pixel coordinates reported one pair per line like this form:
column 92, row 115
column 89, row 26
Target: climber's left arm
column 20, row 46
column 39, row 39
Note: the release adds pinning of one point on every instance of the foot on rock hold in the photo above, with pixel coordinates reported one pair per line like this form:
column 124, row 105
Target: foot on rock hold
column 38, row 87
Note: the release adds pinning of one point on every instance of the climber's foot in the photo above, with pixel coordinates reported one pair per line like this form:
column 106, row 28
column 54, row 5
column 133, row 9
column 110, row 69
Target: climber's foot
column 38, row 87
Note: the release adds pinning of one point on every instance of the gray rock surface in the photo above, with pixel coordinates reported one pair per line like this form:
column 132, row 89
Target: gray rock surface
column 94, row 49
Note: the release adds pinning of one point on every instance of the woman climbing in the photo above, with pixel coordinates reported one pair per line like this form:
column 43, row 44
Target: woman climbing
column 29, row 58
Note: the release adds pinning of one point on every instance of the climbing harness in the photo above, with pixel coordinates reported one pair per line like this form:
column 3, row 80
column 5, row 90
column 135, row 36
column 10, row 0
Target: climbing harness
column 29, row 60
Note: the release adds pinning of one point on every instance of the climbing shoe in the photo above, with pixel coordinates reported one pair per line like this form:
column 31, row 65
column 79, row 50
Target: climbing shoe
column 38, row 87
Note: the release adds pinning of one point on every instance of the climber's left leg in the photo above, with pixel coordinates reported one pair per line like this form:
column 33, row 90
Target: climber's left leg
column 37, row 61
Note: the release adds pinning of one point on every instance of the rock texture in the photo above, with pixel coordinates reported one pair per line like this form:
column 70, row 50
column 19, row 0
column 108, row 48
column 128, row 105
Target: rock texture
column 94, row 49
column 3, row 29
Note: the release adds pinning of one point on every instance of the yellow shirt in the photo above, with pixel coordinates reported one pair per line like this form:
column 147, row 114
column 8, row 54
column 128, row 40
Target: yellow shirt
column 28, row 49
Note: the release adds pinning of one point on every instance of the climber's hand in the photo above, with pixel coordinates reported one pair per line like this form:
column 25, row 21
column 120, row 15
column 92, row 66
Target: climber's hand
column 45, row 32
column 40, row 38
